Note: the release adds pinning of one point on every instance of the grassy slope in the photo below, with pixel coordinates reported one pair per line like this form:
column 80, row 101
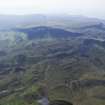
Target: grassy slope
column 54, row 63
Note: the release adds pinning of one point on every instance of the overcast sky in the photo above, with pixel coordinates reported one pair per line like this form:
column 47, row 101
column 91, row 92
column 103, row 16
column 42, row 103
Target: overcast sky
column 92, row 8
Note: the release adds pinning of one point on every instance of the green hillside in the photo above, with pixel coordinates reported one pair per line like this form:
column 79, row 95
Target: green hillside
column 68, row 62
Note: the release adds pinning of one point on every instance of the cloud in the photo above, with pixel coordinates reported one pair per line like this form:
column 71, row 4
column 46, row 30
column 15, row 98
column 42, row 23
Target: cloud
column 84, row 7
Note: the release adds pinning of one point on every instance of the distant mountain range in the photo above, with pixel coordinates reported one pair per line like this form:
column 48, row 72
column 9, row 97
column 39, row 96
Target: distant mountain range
column 11, row 21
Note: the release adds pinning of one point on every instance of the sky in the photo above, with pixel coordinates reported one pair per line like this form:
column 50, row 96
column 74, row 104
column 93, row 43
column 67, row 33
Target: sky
column 91, row 8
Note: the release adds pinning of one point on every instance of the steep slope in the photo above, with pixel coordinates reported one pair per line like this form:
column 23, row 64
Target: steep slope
column 68, row 58
column 68, row 67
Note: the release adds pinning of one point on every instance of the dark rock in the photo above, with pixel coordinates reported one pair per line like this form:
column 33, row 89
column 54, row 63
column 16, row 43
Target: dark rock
column 60, row 102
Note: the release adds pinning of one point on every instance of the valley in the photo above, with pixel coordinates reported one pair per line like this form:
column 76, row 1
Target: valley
column 65, row 54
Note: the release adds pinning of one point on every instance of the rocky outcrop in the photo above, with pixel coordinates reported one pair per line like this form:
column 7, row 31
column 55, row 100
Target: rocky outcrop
column 77, row 84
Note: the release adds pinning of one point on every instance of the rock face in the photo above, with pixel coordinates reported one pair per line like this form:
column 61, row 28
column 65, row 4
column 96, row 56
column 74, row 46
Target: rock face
column 78, row 84
column 43, row 101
